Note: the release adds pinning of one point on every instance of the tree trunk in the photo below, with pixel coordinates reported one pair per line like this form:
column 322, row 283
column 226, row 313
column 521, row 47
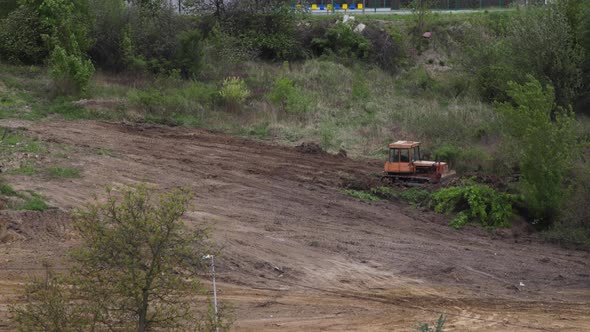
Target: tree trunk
column 142, row 323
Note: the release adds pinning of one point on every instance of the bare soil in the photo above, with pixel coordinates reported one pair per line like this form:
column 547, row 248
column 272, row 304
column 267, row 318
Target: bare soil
column 298, row 254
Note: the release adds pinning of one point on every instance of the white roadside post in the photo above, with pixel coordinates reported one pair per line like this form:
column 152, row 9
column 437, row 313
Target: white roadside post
column 214, row 288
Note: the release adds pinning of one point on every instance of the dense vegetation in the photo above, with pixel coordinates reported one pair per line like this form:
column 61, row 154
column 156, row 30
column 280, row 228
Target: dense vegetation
column 499, row 93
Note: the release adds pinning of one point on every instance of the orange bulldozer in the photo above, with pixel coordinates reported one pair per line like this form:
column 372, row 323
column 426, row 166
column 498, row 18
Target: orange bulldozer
column 406, row 165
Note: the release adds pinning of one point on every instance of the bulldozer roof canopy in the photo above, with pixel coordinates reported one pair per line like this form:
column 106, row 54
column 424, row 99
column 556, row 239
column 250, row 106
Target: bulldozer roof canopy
column 403, row 144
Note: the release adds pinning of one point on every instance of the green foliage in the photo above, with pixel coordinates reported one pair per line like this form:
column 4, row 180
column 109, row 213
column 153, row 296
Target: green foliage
column 34, row 204
column 174, row 106
column 415, row 195
column 572, row 228
column 108, row 30
column 70, row 72
column 234, row 91
column 104, row 152
column 68, row 21
column 439, row 326
column 7, row 190
column 361, row 195
column 161, row 40
column 63, row 172
column 475, row 203
column 271, row 35
column 288, row 97
column 26, row 168
column 539, row 41
column 463, row 159
column 21, row 37
column 135, row 267
column 544, row 148
column 384, row 192
column 47, row 306
column 342, row 41
column 190, row 52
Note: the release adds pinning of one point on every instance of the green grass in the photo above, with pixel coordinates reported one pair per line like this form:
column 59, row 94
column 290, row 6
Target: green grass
column 26, row 168
column 104, row 152
column 362, row 195
column 7, row 190
column 63, row 172
column 34, row 204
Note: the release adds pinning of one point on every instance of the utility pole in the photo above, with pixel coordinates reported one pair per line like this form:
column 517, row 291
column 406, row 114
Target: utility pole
column 214, row 288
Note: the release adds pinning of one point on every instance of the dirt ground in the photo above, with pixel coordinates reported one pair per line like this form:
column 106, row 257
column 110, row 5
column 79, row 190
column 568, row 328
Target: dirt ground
column 298, row 254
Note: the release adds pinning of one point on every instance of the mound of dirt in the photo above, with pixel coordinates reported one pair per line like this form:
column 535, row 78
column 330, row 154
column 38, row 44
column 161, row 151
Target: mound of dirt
column 51, row 224
column 310, row 148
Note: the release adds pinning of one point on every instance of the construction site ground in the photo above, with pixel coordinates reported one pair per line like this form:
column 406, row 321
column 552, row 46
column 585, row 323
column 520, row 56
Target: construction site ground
column 297, row 254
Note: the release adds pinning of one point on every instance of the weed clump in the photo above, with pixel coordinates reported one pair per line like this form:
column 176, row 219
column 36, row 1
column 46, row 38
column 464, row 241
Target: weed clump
column 361, row 195
column 475, row 203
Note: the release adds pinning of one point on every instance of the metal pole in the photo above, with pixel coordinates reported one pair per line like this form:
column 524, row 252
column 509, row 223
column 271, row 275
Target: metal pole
column 333, row 9
column 375, row 5
column 364, row 5
column 214, row 291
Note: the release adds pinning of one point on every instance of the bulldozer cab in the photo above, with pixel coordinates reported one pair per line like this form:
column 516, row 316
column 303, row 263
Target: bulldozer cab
column 402, row 154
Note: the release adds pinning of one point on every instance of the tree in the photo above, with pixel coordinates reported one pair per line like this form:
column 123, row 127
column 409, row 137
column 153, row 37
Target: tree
column 138, row 259
column 135, row 269
column 542, row 44
column 543, row 148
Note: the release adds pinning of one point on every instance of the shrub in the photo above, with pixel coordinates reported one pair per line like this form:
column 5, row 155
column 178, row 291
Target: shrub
column 21, row 37
column 463, row 160
column 388, row 48
column 271, row 34
column 415, row 195
column 544, row 148
column 70, row 72
column 175, row 105
column 190, row 53
column 361, row 195
column 342, row 41
column 475, row 203
column 234, row 91
column 63, row 172
column 572, row 228
column 287, row 96
column 439, row 326
column 540, row 42
column 155, row 36
column 543, row 44
column 34, row 204
column 110, row 20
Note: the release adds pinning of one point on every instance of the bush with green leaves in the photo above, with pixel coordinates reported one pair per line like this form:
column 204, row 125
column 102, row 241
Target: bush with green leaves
column 190, row 54
column 68, row 22
column 439, row 326
column 572, row 228
column 544, row 144
column 271, row 34
column 110, row 19
column 288, row 97
column 463, row 159
column 475, row 203
column 361, row 195
column 70, row 72
column 21, row 37
column 539, row 41
column 174, row 106
column 342, row 41
column 234, row 91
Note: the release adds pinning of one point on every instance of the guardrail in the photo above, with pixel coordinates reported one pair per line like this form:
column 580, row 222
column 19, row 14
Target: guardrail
column 385, row 5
